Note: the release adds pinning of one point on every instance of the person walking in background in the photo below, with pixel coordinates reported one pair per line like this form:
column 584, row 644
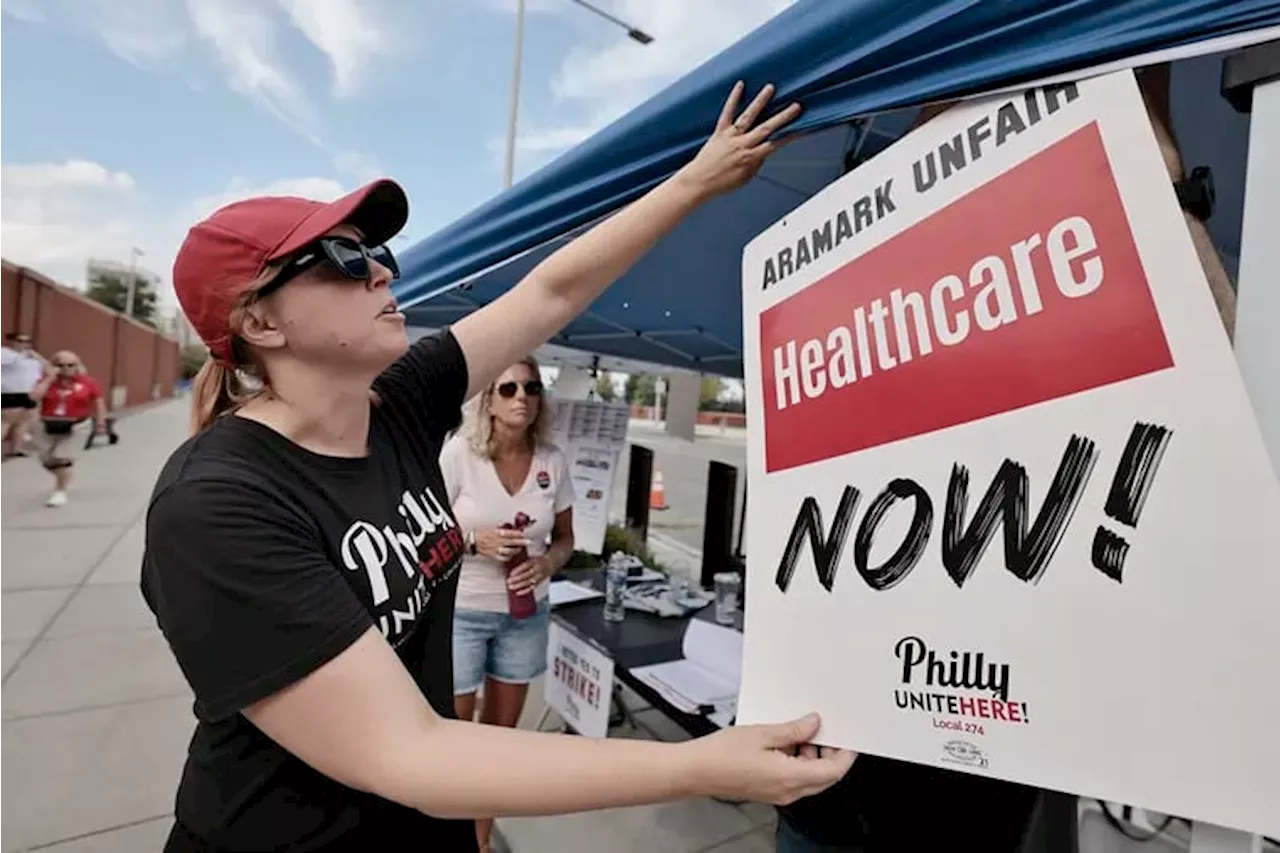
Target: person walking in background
column 513, row 500
column 21, row 367
column 68, row 397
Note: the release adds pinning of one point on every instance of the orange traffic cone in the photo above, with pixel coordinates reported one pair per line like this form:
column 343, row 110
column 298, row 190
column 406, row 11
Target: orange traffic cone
column 657, row 492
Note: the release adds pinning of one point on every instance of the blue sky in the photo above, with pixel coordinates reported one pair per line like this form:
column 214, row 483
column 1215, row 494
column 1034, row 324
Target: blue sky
column 125, row 121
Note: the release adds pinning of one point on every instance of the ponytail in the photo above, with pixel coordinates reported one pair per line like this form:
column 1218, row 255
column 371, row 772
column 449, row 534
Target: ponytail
column 217, row 390
column 210, row 395
column 220, row 388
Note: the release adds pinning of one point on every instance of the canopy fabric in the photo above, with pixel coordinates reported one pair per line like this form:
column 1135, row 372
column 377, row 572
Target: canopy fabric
column 859, row 67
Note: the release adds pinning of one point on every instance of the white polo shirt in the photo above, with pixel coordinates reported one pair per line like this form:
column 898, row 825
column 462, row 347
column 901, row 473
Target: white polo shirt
column 19, row 372
column 481, row 502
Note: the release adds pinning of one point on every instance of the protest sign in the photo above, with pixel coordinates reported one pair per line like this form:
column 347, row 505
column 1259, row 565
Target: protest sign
column 579, row 681
column 1011, row 512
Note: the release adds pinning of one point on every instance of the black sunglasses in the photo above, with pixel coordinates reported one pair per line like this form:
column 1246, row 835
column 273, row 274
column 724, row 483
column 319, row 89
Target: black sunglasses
column 532, row 388
column 349, row 257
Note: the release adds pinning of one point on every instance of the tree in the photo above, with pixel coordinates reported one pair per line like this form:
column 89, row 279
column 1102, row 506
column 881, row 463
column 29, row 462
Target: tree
column 718, row 396
column 604, row 387
column 191, row 359
column 110, row 287
column 709, row 396
column 642, row 389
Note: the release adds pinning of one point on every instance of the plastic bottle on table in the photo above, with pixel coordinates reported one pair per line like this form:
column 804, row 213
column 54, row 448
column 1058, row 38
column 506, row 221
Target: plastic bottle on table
column 615, row 583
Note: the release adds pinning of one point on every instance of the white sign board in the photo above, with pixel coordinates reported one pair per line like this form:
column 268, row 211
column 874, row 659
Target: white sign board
column 1014, row 514
column 579, row 682
column 591, row 434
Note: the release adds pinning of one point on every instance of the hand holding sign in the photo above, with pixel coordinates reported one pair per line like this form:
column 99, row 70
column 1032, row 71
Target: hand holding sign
column 770, row 763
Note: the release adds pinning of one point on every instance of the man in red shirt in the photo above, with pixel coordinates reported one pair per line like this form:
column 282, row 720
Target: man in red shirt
column 68, row 397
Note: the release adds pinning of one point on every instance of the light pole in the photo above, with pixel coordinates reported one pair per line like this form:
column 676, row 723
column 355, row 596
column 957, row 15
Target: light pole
column 134, row 253
column 635, row 33
column 508, row 167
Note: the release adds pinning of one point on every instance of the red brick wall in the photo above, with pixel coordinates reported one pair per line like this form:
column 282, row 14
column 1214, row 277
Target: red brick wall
column 135, row 359
column 728, row 419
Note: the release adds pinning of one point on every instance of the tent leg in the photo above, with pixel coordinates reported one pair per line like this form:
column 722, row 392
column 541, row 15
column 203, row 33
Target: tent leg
column 1257, row 316
column 1258, row 305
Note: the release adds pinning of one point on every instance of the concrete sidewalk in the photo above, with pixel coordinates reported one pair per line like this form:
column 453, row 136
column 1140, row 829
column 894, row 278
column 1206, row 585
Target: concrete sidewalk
column 96, row 715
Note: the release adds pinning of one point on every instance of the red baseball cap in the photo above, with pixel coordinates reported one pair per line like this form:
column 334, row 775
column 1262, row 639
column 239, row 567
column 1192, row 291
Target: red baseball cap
column 221, row 256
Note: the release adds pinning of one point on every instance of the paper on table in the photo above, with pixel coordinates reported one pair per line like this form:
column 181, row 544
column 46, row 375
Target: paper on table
column 687, row 681
column 715, row 648
column 708, row 674
column 567, row 592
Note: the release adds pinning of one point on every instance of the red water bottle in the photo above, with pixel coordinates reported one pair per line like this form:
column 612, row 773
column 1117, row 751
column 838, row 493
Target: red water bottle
column 521, row 605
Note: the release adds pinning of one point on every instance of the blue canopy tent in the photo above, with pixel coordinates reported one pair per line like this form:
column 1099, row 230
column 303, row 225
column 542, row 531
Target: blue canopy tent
column 861, row 68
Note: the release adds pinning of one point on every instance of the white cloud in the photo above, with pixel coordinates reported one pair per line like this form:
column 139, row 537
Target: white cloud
column 55, row 216
column 73, row 174
column 248, row 38
column 531, row 7
column 244, row 38
column 31, row 11
column 144, row 32
column 597, row 84
column 359, row 166
column 249, row 44
column 320, row 189
column 347, row 32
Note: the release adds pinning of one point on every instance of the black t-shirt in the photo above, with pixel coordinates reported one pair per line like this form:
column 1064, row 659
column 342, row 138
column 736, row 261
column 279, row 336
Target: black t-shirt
column 264, row 561
column 886, row 806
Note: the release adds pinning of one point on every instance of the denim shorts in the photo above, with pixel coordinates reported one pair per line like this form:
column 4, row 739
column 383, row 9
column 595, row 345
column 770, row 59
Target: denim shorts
column 486, row 643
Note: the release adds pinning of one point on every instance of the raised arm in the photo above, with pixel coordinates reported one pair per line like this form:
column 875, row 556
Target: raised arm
column 41, row 388
column 563, row 285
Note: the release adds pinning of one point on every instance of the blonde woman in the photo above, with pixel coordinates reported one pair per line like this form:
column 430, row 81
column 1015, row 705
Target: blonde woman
column 513, row 500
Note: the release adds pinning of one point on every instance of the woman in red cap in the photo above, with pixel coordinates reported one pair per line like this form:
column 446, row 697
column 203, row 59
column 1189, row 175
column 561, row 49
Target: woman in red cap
column 301, row 556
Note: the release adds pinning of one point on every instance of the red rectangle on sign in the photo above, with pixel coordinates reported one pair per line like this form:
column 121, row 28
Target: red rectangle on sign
column 1026, row 289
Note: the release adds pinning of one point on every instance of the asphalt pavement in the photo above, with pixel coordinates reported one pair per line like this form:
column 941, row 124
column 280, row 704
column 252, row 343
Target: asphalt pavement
column 683, row 465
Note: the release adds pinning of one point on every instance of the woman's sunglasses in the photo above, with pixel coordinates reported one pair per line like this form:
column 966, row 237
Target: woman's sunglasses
column 349, row 257
column 532, row 388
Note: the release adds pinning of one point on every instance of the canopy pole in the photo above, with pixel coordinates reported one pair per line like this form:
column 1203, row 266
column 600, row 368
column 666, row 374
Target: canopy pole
column 1258, row 306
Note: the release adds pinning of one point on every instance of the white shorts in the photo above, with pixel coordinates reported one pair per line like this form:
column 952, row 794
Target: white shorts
column 60, row 443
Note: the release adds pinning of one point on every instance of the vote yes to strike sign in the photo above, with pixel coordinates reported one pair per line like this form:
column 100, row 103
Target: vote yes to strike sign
column 579, row 681
column 1015, row 515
